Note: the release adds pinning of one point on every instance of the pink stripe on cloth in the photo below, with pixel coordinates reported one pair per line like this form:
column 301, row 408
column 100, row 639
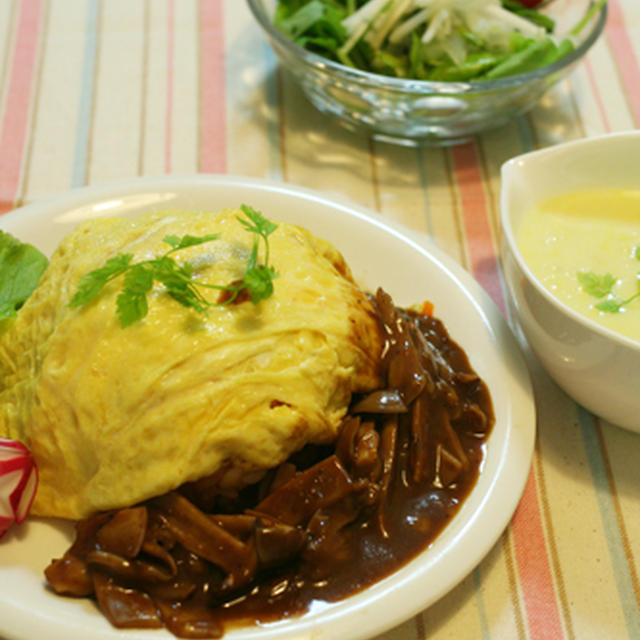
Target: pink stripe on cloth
column 14, row 126
column 476, row 221
column 620, row 45
column 213, row 117
column 541, row 604
column 534, row 571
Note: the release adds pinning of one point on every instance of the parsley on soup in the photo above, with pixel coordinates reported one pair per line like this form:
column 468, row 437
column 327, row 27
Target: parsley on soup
column 584, row 247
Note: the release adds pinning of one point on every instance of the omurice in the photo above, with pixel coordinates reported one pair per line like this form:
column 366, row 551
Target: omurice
column 114, row 416
column 237, row 427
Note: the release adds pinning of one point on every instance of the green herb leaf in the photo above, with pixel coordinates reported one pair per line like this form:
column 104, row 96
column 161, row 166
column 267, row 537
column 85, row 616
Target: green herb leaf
column 177, row 279
column 178, row 283
column 131, row 302
column 188, row 241
column 92, row 283
column 21, row 267
column 259, row 282
column 595, row 285
column 609, row 306
column 601, row 286
column 615, row 305
column 261, row 225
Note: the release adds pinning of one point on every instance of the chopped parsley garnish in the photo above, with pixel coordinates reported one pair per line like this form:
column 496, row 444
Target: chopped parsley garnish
column 178, row 279
column 602, row 286
column 595, row 285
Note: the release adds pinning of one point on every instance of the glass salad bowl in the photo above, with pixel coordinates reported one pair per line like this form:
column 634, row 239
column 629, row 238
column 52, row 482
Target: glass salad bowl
column 411, row 111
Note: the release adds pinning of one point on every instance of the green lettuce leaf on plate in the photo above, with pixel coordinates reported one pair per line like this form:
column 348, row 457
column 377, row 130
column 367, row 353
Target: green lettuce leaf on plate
column 21, row 267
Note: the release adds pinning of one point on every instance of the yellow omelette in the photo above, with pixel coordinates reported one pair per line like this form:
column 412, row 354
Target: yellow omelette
column 114, row 416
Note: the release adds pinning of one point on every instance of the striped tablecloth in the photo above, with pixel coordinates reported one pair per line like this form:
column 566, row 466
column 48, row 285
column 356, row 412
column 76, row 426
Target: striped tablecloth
column 93, row 92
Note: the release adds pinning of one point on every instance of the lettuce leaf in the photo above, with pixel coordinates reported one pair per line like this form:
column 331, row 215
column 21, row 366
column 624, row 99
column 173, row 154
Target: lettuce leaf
column 21, row 267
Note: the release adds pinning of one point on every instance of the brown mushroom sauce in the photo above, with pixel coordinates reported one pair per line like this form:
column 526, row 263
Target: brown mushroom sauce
column 325, row 524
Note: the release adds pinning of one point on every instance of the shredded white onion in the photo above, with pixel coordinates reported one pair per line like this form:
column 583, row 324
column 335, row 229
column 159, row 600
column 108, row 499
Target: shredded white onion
column 396, row 19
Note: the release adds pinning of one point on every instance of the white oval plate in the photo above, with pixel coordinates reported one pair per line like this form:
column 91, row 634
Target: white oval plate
column 411, row 269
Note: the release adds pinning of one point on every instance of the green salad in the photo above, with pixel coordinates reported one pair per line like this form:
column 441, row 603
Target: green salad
column 437, row 40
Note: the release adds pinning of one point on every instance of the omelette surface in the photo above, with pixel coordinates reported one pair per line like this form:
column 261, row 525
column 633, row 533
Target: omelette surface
column 114, row 416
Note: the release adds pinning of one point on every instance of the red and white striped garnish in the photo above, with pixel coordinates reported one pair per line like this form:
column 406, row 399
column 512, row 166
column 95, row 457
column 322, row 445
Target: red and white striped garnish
column 18, row 483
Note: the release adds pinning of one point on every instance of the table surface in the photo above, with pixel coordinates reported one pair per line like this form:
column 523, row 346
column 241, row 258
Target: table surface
column 92, row 92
